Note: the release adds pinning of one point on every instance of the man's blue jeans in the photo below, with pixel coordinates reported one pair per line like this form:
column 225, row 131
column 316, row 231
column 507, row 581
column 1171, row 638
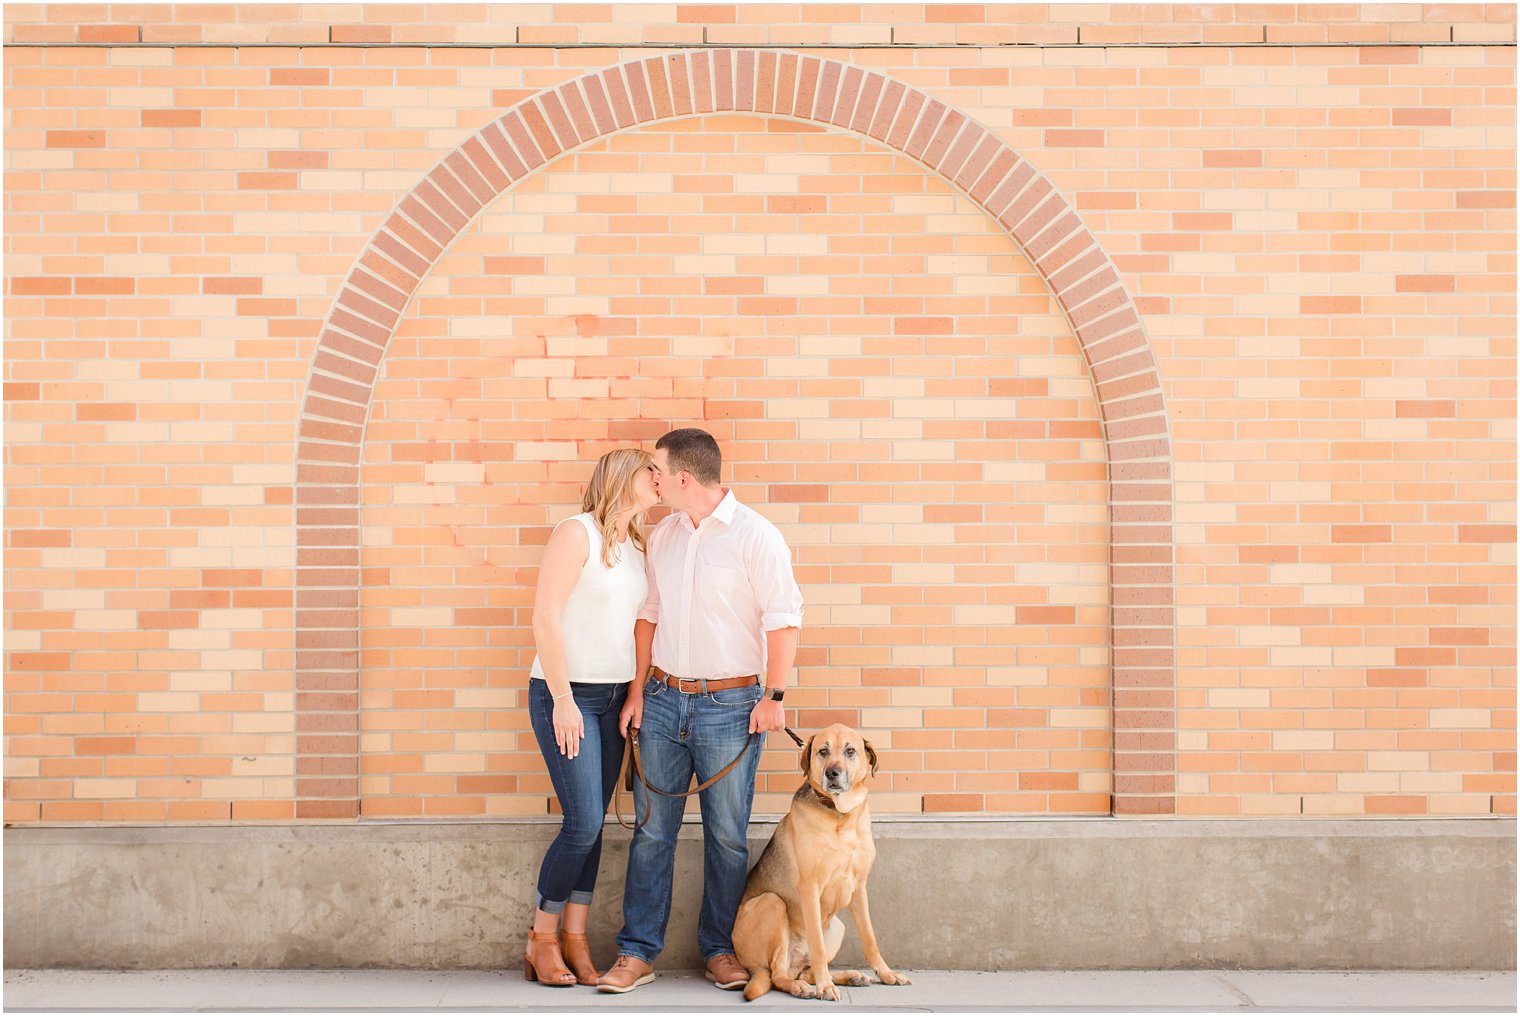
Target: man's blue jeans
column 682, row 734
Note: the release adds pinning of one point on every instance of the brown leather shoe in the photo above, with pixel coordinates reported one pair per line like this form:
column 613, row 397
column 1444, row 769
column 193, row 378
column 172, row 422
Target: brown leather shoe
column 724, row 971
column 578, row 957
column 626, row 974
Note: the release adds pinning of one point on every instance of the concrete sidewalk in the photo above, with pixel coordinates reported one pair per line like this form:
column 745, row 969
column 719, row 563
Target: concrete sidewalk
column 686, row 991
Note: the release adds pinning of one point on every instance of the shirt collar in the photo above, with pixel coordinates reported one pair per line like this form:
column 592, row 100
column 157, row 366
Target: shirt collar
column 724, row 513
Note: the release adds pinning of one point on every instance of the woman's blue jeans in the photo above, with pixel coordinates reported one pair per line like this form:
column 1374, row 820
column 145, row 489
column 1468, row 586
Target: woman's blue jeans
column 684, row 734
column 584, row 786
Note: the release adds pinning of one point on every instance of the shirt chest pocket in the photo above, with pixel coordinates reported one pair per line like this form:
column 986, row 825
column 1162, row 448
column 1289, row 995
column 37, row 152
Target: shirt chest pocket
column 720, row 584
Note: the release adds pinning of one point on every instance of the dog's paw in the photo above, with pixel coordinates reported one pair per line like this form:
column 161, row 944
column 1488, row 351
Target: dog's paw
column 854, row 978
column 800, row 989
column 828, row 992
column 893, row 977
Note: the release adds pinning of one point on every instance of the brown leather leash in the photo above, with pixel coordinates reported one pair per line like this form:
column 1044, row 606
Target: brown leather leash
column 634, row 767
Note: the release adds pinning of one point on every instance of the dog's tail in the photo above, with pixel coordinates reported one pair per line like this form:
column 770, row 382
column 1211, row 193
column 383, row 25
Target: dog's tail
column 759, row 984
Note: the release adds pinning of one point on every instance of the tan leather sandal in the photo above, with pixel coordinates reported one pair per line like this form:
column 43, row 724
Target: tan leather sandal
column 577, row 953
column 542, row 961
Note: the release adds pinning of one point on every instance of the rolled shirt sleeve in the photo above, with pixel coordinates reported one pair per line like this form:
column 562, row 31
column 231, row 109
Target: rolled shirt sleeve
column 775, row 586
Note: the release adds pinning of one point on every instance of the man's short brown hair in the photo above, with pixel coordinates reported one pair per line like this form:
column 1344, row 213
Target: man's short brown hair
column 695, row 451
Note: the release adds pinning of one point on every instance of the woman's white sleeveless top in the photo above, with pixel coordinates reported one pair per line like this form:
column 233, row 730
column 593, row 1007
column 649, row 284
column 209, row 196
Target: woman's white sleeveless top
column 599, row 615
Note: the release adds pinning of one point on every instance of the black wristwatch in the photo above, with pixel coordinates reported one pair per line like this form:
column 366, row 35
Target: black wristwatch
column 775, row 694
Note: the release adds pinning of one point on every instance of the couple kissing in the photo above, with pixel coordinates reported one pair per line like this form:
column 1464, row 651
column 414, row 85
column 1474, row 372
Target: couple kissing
column 686, row 633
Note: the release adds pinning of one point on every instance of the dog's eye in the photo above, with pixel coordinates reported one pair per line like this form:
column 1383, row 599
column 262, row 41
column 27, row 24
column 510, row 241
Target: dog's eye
column 823, row 752
column 849, row 752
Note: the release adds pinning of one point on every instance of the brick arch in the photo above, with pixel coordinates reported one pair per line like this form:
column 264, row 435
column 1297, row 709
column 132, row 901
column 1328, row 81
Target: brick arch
column 821, row 91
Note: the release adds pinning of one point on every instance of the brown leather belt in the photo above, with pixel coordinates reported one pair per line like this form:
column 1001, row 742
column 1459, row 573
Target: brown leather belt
column 697, row 686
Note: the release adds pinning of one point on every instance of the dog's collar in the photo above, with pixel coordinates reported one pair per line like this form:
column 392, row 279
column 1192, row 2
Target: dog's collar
column 825, row 800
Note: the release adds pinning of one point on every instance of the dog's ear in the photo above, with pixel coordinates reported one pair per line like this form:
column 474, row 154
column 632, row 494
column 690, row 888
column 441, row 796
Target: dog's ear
column 870, row 755
column 807, row 757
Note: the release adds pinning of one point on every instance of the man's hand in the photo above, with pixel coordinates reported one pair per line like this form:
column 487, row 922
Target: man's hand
column 632, row 713
column 768, row 715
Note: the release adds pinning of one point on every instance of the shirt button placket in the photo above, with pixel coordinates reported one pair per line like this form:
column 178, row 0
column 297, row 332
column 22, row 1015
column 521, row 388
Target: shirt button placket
column 688, row 594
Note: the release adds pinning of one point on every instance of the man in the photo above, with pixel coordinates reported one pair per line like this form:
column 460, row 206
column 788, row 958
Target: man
column 720, row 629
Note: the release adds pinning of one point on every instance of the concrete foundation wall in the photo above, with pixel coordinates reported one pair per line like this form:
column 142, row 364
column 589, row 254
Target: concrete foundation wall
column 1075, row 893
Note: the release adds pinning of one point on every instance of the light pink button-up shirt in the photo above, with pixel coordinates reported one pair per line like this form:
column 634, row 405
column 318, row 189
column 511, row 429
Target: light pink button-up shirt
column 716, row 589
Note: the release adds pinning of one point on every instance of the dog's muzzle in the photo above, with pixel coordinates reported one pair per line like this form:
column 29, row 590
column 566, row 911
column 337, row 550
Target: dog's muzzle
column 835, row 780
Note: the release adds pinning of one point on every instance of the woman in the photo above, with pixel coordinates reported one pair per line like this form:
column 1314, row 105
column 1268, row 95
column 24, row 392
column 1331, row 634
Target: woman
column 590, row 587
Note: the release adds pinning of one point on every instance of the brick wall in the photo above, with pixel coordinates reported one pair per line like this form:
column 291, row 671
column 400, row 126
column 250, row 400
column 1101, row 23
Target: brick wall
column 1259, row 560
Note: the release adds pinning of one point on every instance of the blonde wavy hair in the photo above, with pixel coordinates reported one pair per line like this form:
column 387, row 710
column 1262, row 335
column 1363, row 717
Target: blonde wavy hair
column 609, row 492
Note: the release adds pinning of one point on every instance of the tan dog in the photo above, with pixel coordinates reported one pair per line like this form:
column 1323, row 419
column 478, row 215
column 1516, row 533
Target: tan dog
column 815, row 866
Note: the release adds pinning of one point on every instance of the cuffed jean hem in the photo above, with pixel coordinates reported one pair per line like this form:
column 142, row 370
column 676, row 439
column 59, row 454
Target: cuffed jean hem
column 552, row 907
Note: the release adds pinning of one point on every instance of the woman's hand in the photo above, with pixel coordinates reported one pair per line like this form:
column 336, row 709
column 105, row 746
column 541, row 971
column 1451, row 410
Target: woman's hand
column 569, row 727
column 632, row 713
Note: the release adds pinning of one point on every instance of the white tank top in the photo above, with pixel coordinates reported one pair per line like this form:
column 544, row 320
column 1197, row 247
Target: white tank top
column 598, row 617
